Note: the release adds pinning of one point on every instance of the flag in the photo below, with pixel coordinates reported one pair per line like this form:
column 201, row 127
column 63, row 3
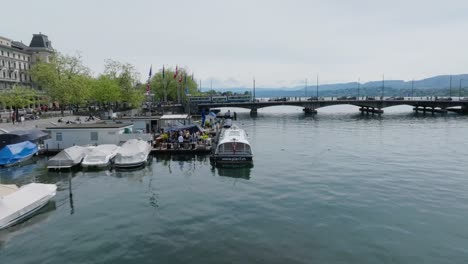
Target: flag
column 163, row 72
column 176, row 72
column 203, row 115
column 211, row 115
column 149, row 79
column 180, row 79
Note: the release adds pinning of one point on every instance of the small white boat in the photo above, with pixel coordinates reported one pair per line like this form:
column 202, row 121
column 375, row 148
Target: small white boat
column 101, row 156
column 17, row 204
column 232, row 148
column 132, row 153
column 69, row 157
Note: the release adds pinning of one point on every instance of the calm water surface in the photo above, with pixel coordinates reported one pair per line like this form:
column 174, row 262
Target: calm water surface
column 334, row 188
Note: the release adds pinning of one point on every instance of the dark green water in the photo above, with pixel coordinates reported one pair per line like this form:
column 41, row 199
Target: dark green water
column 334, row 188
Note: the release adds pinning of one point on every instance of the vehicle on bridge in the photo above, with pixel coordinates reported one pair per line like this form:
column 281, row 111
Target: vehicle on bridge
column 279, row 99
column 220, row 99
column 443, row 98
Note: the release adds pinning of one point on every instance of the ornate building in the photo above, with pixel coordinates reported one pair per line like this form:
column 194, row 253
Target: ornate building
column 16, row 59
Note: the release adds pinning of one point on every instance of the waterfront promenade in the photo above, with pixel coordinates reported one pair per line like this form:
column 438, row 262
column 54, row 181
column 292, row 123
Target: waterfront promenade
column 38, row 123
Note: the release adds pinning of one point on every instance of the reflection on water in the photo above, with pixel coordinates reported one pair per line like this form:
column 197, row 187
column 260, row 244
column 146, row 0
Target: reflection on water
column 242, row 172
column 27, row 224
column 181, row 162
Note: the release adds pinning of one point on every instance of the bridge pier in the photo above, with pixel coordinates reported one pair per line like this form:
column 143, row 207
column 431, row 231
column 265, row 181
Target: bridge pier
column 253, row 112
column 372, row 110
column 431, row 109
column 309, row 111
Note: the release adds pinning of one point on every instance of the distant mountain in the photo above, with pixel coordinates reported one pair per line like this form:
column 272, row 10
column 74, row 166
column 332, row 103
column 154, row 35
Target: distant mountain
column 438, row 85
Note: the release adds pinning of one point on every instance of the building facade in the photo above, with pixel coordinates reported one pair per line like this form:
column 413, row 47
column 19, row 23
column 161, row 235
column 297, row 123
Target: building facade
column 17, row 58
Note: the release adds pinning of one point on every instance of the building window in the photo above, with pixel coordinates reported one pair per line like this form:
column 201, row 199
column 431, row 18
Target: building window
column 94, row 136
column 58, row 136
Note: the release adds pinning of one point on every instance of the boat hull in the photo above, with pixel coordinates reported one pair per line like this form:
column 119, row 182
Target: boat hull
column 217, row 159
column 24, row 202
column 25, row 216
column 18, row 162
column 130, row 165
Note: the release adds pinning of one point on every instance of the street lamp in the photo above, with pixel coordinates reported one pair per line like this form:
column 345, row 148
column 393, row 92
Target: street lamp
column 317, row 86
column 450, row 90
column 358, row 87
column 459, row 89
column 412, row 89
column 383, row 87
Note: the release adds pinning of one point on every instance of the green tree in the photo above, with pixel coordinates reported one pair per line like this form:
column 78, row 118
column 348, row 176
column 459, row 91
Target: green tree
column 18, row 97
column 127, row 79
column 170, row 88
column 105, row 90
column 64, row 79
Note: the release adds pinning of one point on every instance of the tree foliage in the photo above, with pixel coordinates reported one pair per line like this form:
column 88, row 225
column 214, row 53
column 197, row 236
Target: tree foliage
column 18, row 97
column 105, row 90
column 126, row 77
column 167, row 88
column 65, row 79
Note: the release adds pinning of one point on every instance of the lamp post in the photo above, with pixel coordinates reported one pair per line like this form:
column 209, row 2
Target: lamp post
column 412, row 89
column 253, row 90
column 459, row 89
column 358, row 87
column 383, row 86
column 305, row 88
column 450, row 89
column 317, row 86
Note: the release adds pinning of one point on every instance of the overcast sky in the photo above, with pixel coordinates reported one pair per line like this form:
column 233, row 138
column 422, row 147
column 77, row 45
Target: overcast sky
column 279, row 42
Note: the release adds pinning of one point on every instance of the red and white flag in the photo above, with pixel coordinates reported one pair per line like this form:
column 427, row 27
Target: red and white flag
column 176, row 72
column 148, row 88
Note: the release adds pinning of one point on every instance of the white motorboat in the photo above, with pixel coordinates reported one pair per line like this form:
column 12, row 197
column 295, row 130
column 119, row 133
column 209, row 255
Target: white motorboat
column 17, row 204
column 69, row 157
column 132, row 153
column 232, row 148
column 101, row 156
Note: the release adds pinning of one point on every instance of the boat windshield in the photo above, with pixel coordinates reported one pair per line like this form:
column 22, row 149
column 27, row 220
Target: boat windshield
column 234, row 148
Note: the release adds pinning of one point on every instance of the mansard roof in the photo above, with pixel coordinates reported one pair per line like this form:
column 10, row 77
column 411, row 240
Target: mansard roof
column 40, row 41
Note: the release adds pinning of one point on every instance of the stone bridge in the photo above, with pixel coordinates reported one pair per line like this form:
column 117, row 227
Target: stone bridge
column 366, row 106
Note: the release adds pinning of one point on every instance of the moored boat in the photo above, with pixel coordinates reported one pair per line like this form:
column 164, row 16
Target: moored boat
column 68, row 157
column 233, row 148
column 101, row 156
column 133, row 153
column 17, row 204
column 14, row 154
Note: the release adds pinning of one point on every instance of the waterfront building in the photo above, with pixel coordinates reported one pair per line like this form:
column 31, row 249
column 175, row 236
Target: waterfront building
column 17, row 58
column 65, row 136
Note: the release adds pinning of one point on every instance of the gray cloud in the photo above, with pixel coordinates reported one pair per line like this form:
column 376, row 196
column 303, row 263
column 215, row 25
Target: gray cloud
column 278, row 42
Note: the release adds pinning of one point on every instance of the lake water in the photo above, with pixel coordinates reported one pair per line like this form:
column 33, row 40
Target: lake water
column 337, row 187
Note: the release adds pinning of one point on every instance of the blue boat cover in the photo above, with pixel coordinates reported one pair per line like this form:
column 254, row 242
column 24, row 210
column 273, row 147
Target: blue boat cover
column 13, row 137
column 15, row 152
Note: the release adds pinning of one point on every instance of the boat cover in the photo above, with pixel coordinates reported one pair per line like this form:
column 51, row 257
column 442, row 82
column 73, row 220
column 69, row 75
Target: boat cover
column 133, row 151
column 23, row 201
column 68, row 157
column 16, row 152
column 100, row 155
column 18, row 136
